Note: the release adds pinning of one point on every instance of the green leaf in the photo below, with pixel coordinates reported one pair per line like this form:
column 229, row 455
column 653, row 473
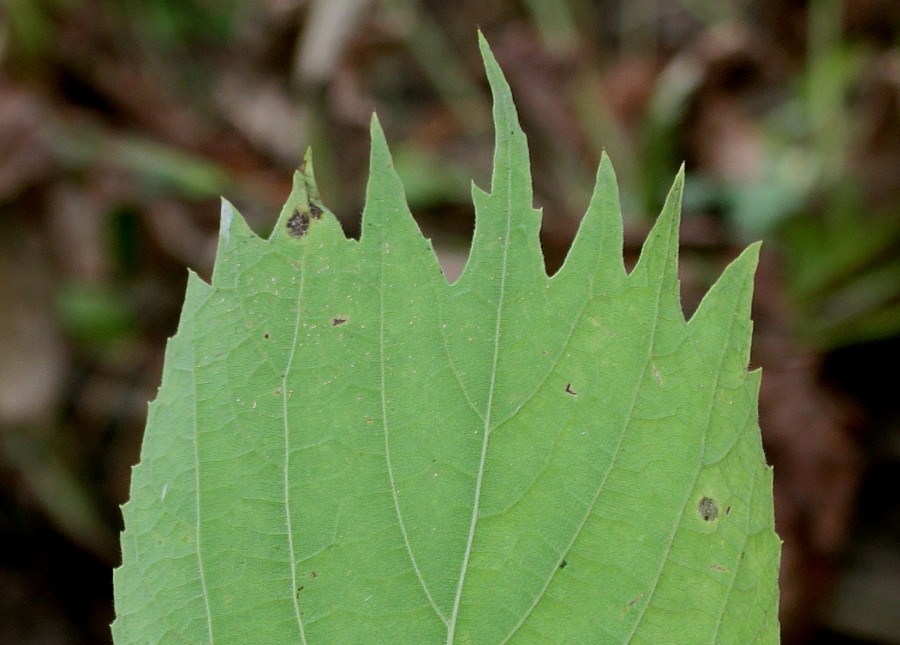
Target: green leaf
column 347, row 449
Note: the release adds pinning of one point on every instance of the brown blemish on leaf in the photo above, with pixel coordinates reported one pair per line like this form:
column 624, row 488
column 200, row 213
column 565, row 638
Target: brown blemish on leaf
column 266, row 335
column 338, row 321
column 313, row 575
column 569, row 390
column 717, row 567
column 563, row 564
column 727, row 510
column 298, row 225
column 708, row 509
column 632, row 603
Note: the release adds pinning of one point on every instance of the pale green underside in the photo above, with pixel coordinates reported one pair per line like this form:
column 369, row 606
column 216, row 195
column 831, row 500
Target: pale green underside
column 346, row 449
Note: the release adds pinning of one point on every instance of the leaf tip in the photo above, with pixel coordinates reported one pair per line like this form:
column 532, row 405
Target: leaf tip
column 599, row 242
column 385, row 194
column 605, row 161
column 304, row 205
column 231, row 225
column 225, row 220
column 499, row 85
column 677, row 190
column 484, row 46
column 379, row 141
column 753, row 251
column 661, row 246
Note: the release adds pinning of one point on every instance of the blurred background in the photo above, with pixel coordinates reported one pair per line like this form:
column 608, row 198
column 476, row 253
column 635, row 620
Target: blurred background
column 123, row 121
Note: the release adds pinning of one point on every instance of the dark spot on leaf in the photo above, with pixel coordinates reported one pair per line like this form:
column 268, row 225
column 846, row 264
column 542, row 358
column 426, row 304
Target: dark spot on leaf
column 569, row 390
column 708, row 509
column 727, row 510
column 315, row 211
column 313, row 575
column 717, row 567
column 563, row 564
column 338, row 321
column 266, row 335
column 298, row 225
column 299, row 589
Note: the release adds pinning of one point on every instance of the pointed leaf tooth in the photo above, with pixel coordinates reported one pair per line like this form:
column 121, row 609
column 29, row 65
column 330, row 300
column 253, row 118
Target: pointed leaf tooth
column 196, row 292
column 232, row 226
column 386, row 202
column 598, row 245
column 658, row 263
column 507, row 226
column 304, row 212
column 511, row 151
column 725, row 309
column 234, row 236
column 386, row 207
column 308, row 170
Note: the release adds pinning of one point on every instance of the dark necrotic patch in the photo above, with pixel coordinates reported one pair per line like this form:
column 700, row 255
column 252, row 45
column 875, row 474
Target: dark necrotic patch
column 338, row 321
column 563, row 564
column 298, row 225
column 315, row 211
column 708, row 509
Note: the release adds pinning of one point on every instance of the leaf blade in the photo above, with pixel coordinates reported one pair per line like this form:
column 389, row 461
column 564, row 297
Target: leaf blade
column 368, row 454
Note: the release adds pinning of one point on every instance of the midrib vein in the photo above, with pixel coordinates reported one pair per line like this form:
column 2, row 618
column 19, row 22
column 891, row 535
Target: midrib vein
column 200, row 568
column 287, row 450
column 386, row 433
column 486, row 428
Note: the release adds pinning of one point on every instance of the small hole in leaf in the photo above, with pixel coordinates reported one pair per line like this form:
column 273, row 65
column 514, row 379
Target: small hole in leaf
column 708, row 509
